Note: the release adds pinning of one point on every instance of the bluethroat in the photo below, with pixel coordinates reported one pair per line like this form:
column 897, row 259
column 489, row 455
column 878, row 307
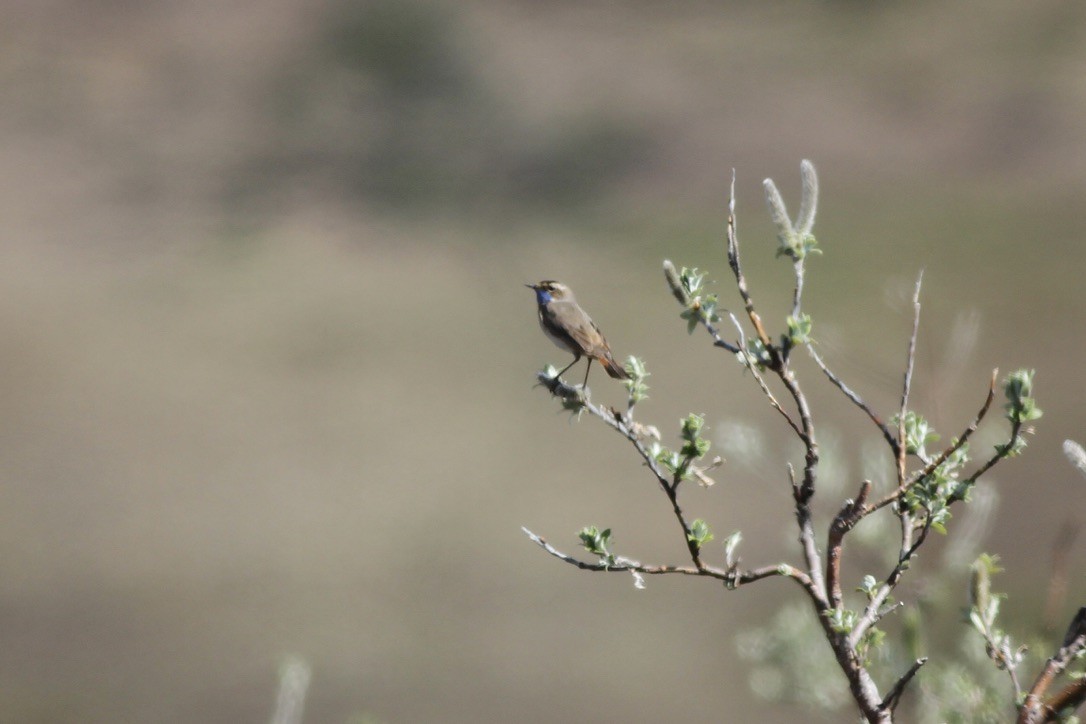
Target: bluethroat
column 571, row 329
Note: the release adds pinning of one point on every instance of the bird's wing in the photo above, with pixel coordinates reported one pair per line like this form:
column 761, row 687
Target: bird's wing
column 580, row 328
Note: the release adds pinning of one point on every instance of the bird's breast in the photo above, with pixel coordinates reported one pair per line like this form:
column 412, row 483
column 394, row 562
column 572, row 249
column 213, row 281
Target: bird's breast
column 547, row 325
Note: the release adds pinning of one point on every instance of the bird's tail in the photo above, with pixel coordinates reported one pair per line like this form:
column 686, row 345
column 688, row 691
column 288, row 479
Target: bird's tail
column 614, row 369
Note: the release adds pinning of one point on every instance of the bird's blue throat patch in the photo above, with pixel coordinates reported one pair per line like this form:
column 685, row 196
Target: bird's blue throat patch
column 542, row 296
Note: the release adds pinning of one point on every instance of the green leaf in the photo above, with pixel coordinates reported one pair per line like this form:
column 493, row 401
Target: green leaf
column 1018, row 388
column 635, row 386
column 691, row 280
column 692, row 318
column 699, row 533
column 692, row 425
column 917, row 433
column 799, row 329
column 699, row 308
column 596, row 541
column 841, row 620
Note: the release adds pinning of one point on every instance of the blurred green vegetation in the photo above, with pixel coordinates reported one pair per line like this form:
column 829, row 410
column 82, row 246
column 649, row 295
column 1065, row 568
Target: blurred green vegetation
column 389, row 105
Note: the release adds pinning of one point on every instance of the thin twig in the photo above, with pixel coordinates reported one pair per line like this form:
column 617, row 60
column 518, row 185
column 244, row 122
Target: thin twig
column 753, row 367
column 1000, row 453
column 681, row 295
column 907, row 384
column 718, row 340
column 627, row 565
column 883, row 613
column 740, row 280
column 907, row 550
column 1012, row 671
column 961, row 439
column 894, row 696
column 615, row 420
column 612, row 418
column 930, row 467
column 806, row 432
column 856, row 400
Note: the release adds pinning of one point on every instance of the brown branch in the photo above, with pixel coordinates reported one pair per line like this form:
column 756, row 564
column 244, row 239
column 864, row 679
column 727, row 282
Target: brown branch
column 864, row 691
column 1070, row 698
column 1034, row 709
column 846, row 519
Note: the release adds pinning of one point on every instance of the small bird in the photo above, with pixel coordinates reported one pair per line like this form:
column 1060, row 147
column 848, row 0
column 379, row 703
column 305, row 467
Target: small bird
column 571, row 329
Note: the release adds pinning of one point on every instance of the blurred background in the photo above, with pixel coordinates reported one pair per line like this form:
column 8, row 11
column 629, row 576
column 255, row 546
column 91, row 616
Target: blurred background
column 267, row 357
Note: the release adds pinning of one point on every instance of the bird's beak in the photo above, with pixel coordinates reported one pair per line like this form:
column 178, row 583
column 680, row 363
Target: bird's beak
column 532, row 286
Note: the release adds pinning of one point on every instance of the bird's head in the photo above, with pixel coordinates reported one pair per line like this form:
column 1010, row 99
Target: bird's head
column 548, row 291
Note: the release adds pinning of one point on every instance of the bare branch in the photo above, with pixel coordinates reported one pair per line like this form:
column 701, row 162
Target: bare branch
column 856, row 400
column 1033, row 708
column 1000, row 454
column 907, row 384
column 734, row 578
column 1070, row 698
column 894, row 696
column 740, row 280
column 808, row 544
column 962, row 439
column 849, row 515
column 761, row 380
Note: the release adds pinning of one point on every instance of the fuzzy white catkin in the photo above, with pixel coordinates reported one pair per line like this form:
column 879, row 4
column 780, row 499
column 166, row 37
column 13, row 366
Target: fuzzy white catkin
column 1075, row 454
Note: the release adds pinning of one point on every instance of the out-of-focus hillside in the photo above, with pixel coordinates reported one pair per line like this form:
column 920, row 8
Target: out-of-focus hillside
column 266, row 357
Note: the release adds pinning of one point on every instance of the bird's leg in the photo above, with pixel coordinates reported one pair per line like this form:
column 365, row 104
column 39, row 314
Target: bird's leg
column 575, row 361
column 584, row 385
